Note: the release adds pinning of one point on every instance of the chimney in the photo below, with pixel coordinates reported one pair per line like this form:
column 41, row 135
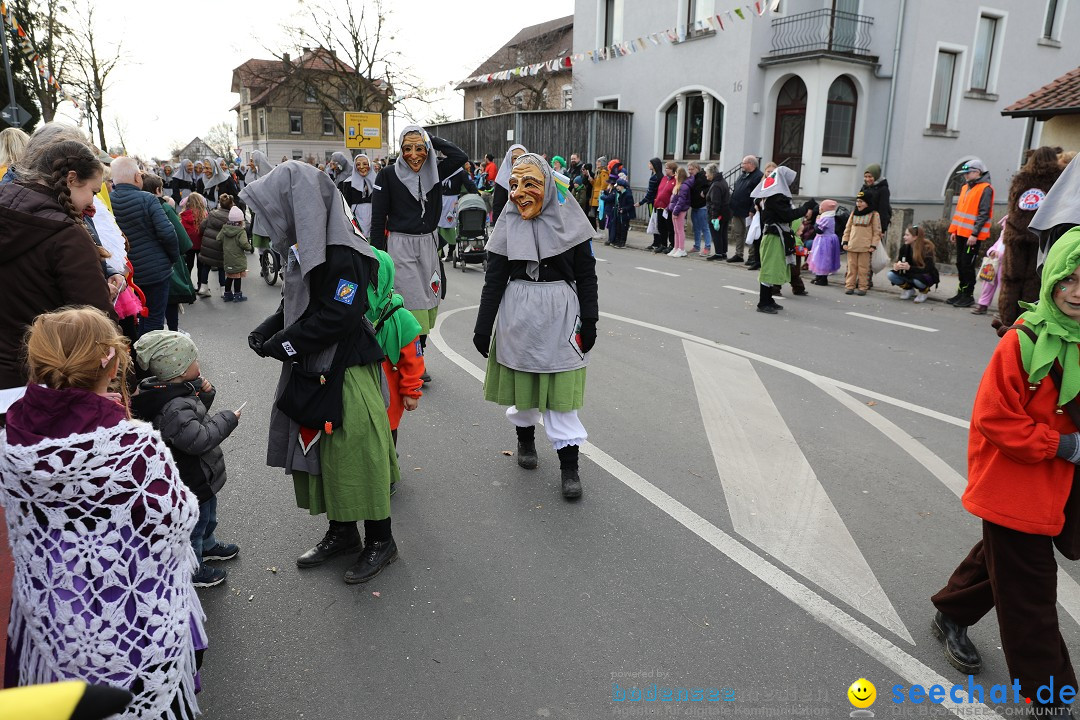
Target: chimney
column 285, row 60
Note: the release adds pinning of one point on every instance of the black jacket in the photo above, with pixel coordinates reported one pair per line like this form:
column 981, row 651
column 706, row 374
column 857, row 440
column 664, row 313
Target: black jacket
column 654, row 181
column 181, row 413
column 700, row 191
column 154, row 245
column 575, row 265
column 499, row 197
column 352, row 195
column 326, row 320
column 741, row 202
column 718, row 200
column 393, row 208
column 928, row 273
column 878, row 198
column 777, row 209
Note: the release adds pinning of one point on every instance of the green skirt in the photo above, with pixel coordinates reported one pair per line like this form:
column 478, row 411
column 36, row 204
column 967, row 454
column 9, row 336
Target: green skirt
column 449, row 235
column 774, row 267
column 260, row 242
column 358, row 459
column 561, row 391
column 426, row 318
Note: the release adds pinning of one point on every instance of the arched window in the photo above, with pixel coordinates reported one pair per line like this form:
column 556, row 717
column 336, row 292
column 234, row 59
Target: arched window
column 840, row 118
column 695, row 126
column 671, row 127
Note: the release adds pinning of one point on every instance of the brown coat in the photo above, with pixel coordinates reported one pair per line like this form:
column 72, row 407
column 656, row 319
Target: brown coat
column 863, row 232
column 47, row 261
column 1019, row 278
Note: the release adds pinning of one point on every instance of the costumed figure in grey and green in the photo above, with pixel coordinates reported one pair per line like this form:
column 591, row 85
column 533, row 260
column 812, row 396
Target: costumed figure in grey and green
column 540, row 296
column 772, row 197
column 258, row 167
column 405, row 212
column 343, row 470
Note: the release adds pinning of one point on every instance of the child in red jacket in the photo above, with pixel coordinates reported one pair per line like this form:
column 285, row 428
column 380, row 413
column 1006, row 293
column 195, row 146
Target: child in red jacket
column 1023, row 452
column 398, row 334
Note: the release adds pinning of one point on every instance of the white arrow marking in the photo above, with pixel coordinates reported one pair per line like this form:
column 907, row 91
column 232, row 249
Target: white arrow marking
column 773, row 495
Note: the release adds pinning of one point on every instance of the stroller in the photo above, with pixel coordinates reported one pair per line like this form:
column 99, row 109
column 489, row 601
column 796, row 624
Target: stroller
column 472, row 231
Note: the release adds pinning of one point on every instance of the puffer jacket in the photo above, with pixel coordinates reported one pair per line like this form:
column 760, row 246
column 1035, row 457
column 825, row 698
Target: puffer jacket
column 234, row 241
column 211, row 253
column 47, row 261
column 181, row 413
column 148, row 230
column 680, row 203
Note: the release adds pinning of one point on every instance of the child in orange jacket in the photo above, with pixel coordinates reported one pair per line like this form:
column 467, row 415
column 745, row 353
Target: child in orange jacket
column 398, row 334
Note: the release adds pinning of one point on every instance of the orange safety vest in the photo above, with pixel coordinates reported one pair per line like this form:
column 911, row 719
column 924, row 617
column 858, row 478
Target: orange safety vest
column 967, row 209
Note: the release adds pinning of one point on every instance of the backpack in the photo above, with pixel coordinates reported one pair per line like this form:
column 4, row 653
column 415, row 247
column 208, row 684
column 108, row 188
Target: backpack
column 840, row 220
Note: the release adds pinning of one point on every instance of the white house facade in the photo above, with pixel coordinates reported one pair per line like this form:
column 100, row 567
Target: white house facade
column 830, row 86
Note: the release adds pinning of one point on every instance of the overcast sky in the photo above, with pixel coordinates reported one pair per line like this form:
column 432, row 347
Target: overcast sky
column 175, row 82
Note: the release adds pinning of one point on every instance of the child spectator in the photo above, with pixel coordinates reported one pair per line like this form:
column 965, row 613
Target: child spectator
column 212, row 254
column 824, row 257
column 623, row 205
column 234, row 243
column 99, row 524
column 996, row 252
column 398, row 334
column 677, row 210
column 861, row 238
column 914, row 269
column 192, row 214
column 177, row 401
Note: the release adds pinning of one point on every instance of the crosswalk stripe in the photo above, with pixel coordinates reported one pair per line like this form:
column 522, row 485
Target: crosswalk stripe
column 892, row 322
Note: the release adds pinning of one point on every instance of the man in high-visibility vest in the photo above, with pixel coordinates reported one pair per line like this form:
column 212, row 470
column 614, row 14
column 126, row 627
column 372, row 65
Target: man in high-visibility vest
column 970, row 226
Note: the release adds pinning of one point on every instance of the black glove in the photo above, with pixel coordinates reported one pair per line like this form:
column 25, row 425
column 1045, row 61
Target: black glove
column 255, row 342
column 274, row 347
column 588, row 334
column 482, row 343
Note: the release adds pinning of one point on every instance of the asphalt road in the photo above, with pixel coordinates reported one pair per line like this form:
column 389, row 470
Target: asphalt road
column 769, row 503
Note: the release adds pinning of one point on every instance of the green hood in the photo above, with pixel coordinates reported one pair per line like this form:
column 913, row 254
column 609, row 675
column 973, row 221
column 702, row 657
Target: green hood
column 395, row 327
column 1058, row 334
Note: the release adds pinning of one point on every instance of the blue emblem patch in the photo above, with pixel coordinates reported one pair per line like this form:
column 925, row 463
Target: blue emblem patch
column 419, row 349
column 346, row 291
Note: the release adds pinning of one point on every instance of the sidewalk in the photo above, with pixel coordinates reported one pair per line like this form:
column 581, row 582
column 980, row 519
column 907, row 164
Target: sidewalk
column 637, row 240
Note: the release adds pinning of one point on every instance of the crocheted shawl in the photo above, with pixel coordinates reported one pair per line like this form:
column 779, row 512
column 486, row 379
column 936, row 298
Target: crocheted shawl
column 100, row 526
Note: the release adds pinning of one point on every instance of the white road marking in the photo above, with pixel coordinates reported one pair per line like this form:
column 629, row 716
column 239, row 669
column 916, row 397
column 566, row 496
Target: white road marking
column 658, row 272
column 600, row 259
column 774, row 497
column 850, row 628
column 751, row 292
column 1068, row 588
column 892, row 322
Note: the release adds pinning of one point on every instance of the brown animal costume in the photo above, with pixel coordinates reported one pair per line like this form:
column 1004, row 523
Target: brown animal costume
column 1020, row 276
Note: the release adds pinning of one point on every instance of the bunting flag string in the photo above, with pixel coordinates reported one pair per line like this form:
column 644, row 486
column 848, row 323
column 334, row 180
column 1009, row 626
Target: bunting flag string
column 22, row 41
column 629, row 47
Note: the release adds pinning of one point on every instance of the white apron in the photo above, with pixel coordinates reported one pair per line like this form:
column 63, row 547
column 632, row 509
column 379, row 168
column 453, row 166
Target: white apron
column 418, row 275
column 538, row 326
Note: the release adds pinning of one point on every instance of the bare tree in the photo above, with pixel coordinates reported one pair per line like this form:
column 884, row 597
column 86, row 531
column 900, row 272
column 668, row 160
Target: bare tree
column 175, row 147
column 221, row 139
column 530, row 92
column 93, row 66
column 121, row 131
column 48, row 34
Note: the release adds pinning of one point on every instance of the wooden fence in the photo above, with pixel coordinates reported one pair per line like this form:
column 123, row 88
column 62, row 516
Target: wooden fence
column 590, row 133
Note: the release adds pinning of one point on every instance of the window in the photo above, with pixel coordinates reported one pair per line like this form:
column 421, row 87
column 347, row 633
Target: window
column 1050, row 25
column 985, row 39
column 327, row 155
column 343, row 97
column 697, row 11
column 328, row 126
column 309, row 95
column 262, row 122
column 671, row 125
column 840, row 118
column 568, row 98
column 717, row 131
column 245, row 95
column 941, row 100
column 296, row 122
column 613, row 22
column 246, row 123
column 496, row 105
column 297, row 154
column 478, row 108
column 693, row 133
column 609, row 104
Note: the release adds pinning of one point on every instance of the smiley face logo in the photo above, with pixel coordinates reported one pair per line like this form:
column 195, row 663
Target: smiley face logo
column 862, row 693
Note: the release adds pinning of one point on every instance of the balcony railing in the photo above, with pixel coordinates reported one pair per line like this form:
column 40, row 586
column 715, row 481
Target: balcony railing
column 821, row 31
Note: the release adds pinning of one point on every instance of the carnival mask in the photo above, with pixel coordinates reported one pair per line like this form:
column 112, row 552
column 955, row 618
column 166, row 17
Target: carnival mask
column 527, row 190
column 363, row 166
column 414, row 151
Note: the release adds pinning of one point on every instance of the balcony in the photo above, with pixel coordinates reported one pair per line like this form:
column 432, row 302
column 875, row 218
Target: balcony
column 821, row 33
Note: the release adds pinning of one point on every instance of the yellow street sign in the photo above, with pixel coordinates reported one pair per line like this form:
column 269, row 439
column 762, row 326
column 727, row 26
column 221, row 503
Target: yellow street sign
column 363, row 130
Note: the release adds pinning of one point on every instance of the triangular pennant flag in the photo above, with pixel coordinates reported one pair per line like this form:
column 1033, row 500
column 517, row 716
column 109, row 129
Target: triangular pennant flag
column 720, row 21
column 730, row 19
column 775, row 6
column 712, row 22
column 738, row 11
column 760, row 9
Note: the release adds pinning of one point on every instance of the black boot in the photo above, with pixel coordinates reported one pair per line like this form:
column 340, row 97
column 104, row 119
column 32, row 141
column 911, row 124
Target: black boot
column 959, row 650
column 342, row 537
column 526, row 452
column 376, row 555
column 568, row 465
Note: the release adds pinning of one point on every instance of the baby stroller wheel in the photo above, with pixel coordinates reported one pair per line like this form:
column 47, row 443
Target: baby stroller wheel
column 271, row 267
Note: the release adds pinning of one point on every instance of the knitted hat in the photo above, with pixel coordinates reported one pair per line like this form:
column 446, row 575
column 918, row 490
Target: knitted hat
column 621, row 182
column 828, row 205
column 874, row 170
column 165, row 353
column 862, row 196
column 236, row 214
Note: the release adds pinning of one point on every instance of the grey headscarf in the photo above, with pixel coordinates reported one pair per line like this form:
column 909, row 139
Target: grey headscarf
column 301, row 207
column 363, row 183
column 219, row 175
column 503, row 178
column 262, row 166
column 182, row 173
column 560, row 225
column 342, row 159
column 418, row 183
column 778, row 182
column 1058, row 212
